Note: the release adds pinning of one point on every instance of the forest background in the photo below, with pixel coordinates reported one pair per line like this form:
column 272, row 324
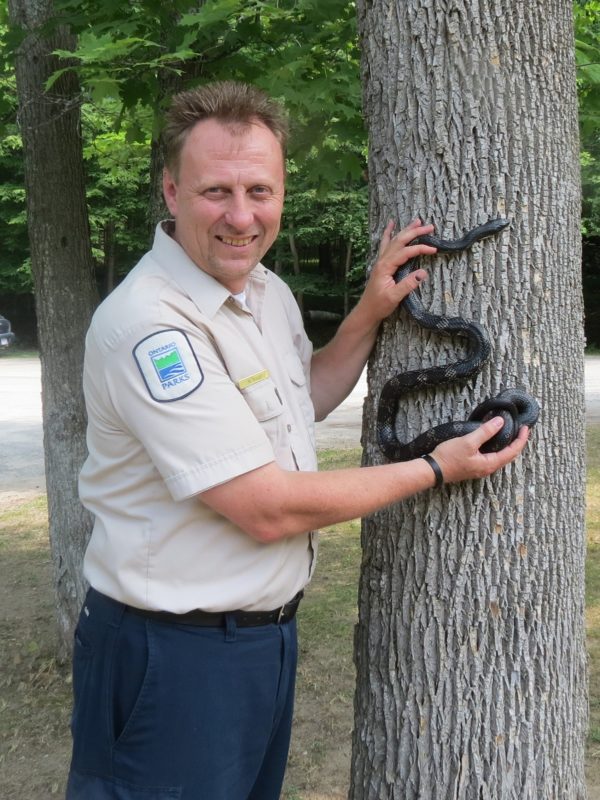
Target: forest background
column 130, row 59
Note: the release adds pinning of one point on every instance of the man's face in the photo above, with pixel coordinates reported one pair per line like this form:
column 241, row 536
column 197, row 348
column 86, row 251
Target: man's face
column 228, row 199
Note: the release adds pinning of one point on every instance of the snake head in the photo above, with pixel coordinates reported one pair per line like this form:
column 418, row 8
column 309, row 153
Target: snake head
column 496, row 225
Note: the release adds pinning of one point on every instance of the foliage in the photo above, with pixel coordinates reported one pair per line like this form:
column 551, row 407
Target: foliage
column 15, row 268
column 587, row 54
column 324, row 227
column 117, row 190
column 117, row 167
column 301, row 51
column 590, row 187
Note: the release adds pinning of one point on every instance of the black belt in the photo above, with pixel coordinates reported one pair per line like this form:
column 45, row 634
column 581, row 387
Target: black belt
column 218, row 619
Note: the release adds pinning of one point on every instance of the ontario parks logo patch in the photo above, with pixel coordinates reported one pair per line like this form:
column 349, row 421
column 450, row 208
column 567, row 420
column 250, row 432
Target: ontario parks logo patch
column 168, row 365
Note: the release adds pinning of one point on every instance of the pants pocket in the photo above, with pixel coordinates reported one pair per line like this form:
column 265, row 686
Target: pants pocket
column 93, row 787
column 130, row 675
column 82, row 661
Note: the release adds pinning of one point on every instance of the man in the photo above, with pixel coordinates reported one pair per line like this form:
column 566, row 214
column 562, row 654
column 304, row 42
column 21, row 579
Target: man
column 202, row 390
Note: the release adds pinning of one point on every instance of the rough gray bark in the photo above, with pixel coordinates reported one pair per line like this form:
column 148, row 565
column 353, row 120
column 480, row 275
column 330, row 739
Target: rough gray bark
column 65, row 292
column 157, row 209
column 470, row 647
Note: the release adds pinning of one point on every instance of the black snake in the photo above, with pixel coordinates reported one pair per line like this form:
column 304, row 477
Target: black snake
column 515, row 406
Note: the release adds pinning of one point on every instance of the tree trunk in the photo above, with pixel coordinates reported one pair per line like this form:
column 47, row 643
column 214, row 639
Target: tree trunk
column 169, row 83
column 109, row 256
column 347, row 265
column 63, row 283
column 298, row 294
column 157, row 209
column 470, row 647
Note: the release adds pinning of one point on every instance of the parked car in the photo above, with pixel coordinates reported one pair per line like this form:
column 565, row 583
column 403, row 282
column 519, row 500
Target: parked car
column 7, row 337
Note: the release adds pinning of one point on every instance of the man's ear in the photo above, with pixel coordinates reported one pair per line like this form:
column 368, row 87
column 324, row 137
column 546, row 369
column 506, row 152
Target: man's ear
column 170, row 192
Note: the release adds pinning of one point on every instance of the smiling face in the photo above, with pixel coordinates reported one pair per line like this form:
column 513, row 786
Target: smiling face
column 227, row 199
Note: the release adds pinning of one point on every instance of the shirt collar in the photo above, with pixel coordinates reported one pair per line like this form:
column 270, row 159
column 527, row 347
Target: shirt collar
column 204, row 290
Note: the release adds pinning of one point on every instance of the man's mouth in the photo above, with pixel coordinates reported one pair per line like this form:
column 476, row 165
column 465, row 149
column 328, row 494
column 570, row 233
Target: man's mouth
column 237, row 241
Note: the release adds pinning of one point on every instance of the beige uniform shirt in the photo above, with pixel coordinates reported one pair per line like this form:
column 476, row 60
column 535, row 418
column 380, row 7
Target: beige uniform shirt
column 186, row 389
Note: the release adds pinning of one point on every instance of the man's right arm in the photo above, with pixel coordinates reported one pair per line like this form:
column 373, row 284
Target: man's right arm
column 270, row 503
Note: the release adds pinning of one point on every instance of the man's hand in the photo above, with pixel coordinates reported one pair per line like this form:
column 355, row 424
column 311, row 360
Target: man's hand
column 460, row 459
column 382, row 295
column 337, row 366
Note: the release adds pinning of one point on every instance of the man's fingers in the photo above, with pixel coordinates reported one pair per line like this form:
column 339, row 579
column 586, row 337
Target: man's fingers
column 395, row 249
column 411, row 282
column 461, row 459
column 395, row 256
column 516, row 447
column 414, row 250
column 412, row 231
column 404, row 236
column 508, row 453
column 486, row 431
column 386, row 236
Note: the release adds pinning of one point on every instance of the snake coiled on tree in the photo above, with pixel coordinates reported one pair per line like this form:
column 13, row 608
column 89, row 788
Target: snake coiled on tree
column 515, row 406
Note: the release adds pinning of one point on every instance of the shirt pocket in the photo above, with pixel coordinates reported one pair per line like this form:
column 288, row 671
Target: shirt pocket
column 295, row 370
column 263, row 400
column 302, row 389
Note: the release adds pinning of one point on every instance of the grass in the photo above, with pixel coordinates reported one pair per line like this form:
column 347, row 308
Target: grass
column 17, row 351
column 35, row 691
column 320, row 752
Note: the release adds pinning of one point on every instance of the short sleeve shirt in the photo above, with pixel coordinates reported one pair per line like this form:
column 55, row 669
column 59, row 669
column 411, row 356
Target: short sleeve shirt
column 187, row 388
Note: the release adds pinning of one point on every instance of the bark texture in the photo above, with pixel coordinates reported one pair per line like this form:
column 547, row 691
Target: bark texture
column 65, row 291
column 470, row 647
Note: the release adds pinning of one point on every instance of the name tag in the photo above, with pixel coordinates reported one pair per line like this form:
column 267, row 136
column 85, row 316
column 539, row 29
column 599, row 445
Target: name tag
column 244, row 383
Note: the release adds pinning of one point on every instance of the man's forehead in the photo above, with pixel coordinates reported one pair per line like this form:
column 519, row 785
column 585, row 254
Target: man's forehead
column 212, row 147
column 234, row 137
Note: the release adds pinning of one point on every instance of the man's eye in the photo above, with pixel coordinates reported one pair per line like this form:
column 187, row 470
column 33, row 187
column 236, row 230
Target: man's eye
column 260, row 190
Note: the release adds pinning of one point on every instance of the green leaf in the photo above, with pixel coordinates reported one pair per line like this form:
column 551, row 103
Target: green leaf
column 212, row 13
column 56, row 75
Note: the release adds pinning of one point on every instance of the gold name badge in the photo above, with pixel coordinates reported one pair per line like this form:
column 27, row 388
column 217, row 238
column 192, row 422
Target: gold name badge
column 244, row 383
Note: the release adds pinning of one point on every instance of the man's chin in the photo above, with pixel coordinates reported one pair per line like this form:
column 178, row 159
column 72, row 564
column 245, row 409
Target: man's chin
column 240, row 266
column 232, row 269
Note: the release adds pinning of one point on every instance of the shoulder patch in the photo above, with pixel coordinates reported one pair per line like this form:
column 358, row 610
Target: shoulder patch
column 168, row 365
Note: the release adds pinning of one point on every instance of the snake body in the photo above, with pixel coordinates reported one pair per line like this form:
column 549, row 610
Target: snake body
column 515, row 406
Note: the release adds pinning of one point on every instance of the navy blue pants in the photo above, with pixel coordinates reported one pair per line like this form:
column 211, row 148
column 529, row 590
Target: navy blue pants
column 177, row 712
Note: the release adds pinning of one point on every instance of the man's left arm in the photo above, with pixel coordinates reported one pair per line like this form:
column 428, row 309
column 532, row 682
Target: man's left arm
column 336, row 368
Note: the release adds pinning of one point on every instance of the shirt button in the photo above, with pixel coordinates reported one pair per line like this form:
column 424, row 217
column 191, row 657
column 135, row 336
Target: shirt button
column 289, row 427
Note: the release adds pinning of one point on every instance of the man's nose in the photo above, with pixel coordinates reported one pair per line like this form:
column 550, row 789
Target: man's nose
column 239, row 213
